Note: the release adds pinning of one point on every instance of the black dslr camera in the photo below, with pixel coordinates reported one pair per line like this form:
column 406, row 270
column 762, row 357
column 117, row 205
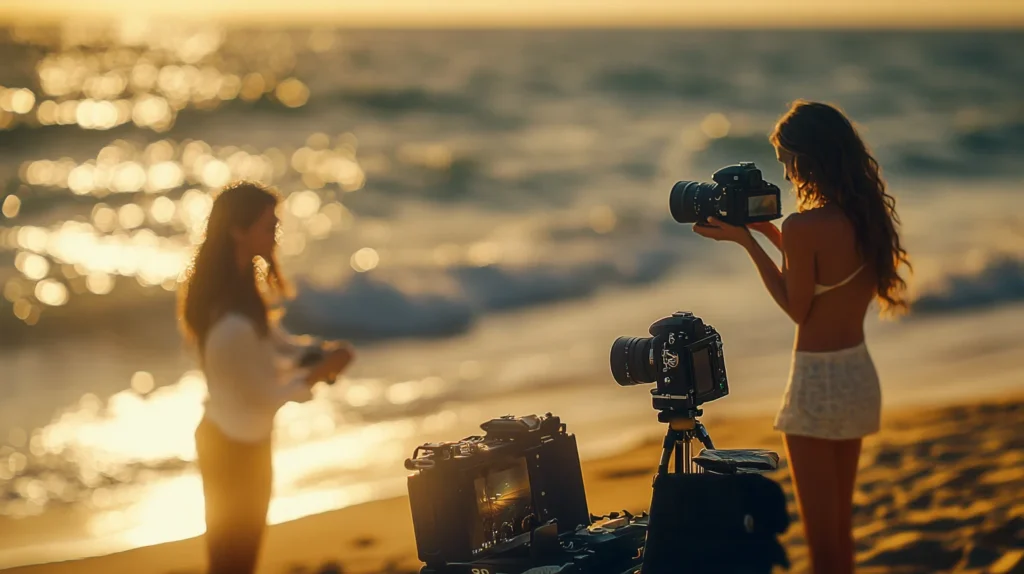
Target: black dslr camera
column 511, row 502
column 683, row 356
column 739, row 196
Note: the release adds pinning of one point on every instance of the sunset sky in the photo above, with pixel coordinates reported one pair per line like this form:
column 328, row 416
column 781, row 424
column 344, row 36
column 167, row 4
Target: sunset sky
column 719, row 13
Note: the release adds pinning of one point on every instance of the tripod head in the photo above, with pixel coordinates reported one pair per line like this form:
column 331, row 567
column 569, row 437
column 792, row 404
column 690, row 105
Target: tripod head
column 678, row 417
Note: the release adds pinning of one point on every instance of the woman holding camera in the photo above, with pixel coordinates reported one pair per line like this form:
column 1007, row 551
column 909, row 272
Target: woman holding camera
column 251, row 366
column 841, row 250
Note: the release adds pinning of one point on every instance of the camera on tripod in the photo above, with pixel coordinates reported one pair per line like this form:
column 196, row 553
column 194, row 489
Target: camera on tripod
column 513, row 501
column 683, row 356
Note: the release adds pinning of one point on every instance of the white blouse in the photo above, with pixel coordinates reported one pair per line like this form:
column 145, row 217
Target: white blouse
column 249, row 377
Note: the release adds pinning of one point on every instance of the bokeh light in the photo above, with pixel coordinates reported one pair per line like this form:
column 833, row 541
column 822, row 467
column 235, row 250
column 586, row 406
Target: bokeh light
column 51, row 292
column 31, row 265
column 131, row 216
column 163, row 210
column 304, row 204
column 602, row 219
column 142, row 382
column 292, row 93
column 253, row 86
column 715, row 126
column 11, row 206
column 99, row 283
column 366, row 259
column 22, row 101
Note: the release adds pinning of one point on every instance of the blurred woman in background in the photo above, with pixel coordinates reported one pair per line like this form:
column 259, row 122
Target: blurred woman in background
column 252, row 368
column 841, row 250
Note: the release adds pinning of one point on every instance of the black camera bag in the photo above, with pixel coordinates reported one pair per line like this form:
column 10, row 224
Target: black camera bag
column 711, row 523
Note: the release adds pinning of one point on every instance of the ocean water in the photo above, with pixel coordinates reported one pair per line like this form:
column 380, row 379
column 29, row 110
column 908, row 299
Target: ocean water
column 482, row 212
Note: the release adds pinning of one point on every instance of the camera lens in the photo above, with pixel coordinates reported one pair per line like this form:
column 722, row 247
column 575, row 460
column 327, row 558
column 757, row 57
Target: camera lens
column 690, row 201
column 630, row 360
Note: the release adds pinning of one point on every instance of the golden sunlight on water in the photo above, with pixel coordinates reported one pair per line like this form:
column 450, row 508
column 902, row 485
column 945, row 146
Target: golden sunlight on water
column 173, row 510
column 133, row 212
column 135, row 71
column 129, row 461
column 101, row 78
column 151, row 236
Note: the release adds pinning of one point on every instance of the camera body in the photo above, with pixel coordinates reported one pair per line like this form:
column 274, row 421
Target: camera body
column 484, row 497
column 738, row 196
column 684, row 357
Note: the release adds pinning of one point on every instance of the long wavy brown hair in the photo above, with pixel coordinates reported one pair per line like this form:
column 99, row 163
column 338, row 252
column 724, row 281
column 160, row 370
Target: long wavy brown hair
column 833, row 165
column 214, row 282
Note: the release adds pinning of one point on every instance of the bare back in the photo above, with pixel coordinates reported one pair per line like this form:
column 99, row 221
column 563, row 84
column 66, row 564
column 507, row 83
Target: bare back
column 836, row 318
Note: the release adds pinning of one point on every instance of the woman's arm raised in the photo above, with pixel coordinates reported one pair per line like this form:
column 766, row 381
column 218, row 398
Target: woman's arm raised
column 792, row 287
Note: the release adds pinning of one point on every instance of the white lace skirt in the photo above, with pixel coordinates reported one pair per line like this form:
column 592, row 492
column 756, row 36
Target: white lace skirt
column 833, row 395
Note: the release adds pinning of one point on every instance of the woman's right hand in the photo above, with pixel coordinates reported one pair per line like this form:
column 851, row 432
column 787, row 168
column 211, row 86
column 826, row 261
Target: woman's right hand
column 769, row 230
column 336, row 360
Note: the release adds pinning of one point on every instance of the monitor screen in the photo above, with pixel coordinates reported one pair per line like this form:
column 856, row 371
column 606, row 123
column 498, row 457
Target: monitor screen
column 704, row 376
column 762, row 205
column 504, row 504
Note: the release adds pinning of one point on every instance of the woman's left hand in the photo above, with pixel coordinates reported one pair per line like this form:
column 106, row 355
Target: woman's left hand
column 721, row 231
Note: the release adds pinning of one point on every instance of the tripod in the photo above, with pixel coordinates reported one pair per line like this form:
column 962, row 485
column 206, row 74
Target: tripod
column 688, row 506
column 683, row 427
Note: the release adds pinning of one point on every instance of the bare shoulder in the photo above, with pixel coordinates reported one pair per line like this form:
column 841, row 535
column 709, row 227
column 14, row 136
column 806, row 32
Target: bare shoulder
column 800, row 225
column 811, row 223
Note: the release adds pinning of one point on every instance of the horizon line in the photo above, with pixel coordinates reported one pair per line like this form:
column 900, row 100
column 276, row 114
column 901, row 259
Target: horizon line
column 951, row 24
column 342, row 14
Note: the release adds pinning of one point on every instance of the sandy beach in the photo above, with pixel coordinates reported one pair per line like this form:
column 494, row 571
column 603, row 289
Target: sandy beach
column 939, row 490
column 482, row 213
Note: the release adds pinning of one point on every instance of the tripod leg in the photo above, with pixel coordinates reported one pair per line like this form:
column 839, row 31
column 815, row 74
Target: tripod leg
column 705, row 438
column 679, row 457
column 666, row 451
column 686, row 456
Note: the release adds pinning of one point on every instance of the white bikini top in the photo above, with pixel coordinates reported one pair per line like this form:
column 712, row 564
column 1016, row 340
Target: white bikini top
column 819, row 289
